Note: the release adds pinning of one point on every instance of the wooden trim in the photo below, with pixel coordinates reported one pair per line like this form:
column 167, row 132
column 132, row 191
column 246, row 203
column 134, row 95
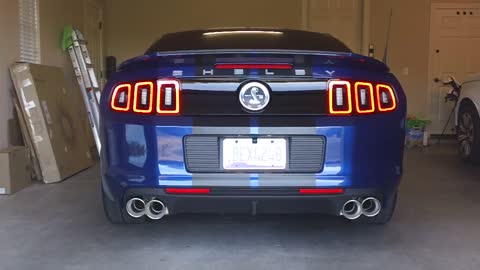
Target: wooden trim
column 305, row 14
column 459, row 5
column 366, row 18
column 99, row 70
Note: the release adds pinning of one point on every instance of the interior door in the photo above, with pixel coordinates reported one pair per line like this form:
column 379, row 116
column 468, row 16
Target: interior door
column 94, row 36
column 454, row 43
column 341, row 18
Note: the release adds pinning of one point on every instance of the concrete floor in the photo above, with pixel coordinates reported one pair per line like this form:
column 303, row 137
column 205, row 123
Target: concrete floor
column 436, row 226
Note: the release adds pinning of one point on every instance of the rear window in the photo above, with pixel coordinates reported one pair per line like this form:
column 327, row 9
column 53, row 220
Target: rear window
column 248, row 38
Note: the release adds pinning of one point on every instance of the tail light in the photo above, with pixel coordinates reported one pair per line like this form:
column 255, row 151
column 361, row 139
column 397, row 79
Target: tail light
column 162, row 97
column 168, row 97
column 364, row 97
column 340, row 97
column 385, row 98
column 143, row 97
column 121, row 97
column 368, row 97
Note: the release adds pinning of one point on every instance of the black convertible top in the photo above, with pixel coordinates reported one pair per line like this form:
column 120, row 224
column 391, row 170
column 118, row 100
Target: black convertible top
column 247, row 38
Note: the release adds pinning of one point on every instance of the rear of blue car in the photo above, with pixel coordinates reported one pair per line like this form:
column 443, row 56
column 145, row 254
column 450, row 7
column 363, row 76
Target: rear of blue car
column 234, row 129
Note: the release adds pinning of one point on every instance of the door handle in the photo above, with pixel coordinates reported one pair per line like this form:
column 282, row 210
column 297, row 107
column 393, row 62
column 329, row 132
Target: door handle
column 436, row 80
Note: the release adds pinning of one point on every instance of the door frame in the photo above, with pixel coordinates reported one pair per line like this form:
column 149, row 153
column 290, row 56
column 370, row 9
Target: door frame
column 366, row 11
column 431, row 55
column 100, row 7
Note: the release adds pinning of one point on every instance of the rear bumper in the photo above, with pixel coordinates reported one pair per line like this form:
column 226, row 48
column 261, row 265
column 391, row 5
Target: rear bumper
column 257, row 201
column 364, row 153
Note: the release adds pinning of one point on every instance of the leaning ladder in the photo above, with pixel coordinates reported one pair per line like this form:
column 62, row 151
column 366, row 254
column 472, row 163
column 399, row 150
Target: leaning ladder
column 75, row 43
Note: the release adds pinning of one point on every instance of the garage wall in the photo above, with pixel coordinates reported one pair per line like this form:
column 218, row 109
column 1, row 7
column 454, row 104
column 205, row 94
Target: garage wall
column 9, row 52
column 408, row 49
column 54, row 16
column 409, row 45
column 132, row 27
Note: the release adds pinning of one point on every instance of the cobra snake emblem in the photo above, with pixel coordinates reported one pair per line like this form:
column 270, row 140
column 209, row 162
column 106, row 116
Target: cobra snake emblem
column 254, row 100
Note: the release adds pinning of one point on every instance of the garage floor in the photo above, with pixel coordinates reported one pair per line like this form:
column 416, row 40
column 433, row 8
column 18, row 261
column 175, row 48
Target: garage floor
column 436, row 226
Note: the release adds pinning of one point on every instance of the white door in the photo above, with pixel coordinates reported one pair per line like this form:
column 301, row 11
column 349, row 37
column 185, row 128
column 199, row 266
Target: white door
column 341, row 18
column 454, row 43
column 94, row 36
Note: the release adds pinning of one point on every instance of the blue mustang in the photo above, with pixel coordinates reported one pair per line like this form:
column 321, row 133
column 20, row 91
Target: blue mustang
column 251, row 120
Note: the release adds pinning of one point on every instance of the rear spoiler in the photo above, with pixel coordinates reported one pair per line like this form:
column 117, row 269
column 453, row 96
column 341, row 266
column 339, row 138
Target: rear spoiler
column 317, row 58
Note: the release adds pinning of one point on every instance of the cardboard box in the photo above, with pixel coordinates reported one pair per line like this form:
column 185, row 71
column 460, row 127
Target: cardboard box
column 36, row 171
column 54, row 118
column 14, row 169
column 14, row 132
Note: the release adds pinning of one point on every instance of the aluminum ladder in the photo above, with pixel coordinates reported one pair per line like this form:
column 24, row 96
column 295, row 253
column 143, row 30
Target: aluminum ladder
column 74, row 42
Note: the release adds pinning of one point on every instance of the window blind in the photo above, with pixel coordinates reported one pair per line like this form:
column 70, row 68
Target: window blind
column 29, row 31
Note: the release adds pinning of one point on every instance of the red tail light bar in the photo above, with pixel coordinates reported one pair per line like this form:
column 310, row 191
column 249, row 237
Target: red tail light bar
column 253, row 66
column 320, row 191
column 163, row 96
column 187, row 191
column 363, row 95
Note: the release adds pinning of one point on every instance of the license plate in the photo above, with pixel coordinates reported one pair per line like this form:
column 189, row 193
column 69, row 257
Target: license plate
column 254, row 154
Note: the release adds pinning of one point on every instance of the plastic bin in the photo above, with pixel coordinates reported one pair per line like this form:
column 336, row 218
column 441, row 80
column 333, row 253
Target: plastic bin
column 415, row 132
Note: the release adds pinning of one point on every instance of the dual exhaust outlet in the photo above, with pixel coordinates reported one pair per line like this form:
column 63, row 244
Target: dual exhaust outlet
column 368, row 207
column 154, row 209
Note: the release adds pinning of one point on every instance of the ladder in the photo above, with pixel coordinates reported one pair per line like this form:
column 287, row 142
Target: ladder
column 75, row 43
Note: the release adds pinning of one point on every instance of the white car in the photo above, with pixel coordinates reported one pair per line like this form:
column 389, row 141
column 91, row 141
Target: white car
column 467, row 118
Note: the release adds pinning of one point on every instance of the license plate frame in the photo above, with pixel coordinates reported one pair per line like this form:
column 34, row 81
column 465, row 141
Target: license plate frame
column 278, row 165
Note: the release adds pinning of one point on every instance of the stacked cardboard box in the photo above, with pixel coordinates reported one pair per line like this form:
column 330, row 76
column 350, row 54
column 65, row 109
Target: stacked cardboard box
column 14, row 169
column 52, row 119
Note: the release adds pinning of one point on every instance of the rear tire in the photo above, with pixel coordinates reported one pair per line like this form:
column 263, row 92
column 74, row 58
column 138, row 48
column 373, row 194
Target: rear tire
column 113, row 210
column 468, row 133
column 388, row 208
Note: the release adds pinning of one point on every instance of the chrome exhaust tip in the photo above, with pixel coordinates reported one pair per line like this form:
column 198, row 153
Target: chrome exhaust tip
column 371, row 207
column 135, row 207
column 155, row 209
column 352, row 209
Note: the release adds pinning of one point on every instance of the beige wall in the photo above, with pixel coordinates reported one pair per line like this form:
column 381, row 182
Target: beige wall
column 408, row 48
column 131, row 26
column 9, row 52
column 54, row 16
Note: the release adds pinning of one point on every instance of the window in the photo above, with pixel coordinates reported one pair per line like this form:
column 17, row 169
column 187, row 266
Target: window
column 247, row 38
column 29, row 31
